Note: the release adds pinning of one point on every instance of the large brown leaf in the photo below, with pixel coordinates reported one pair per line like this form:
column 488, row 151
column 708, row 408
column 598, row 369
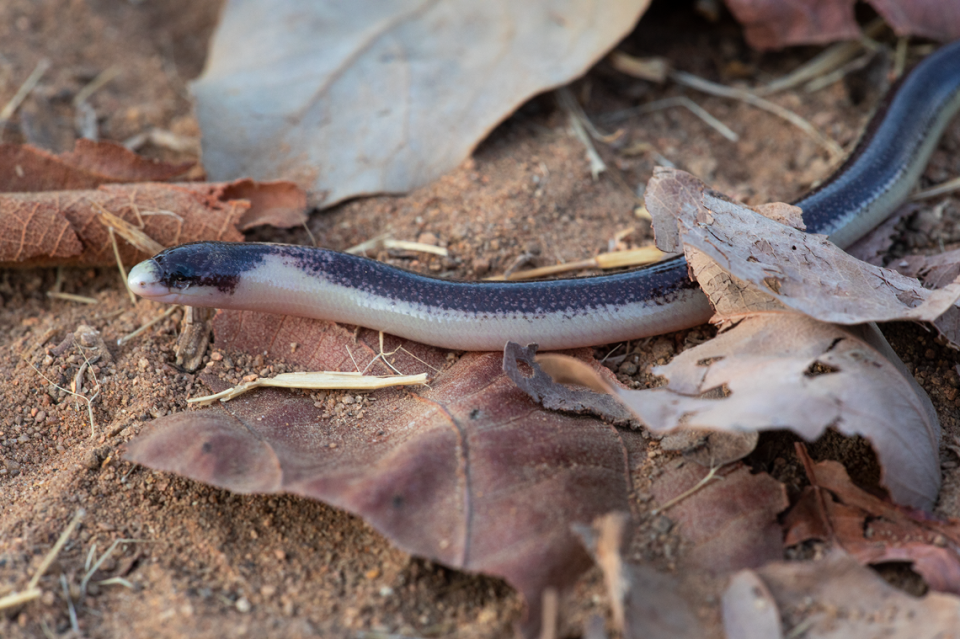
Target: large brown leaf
column 730, row 523
column 352, row 98
column 469, row 472
column 774, row 24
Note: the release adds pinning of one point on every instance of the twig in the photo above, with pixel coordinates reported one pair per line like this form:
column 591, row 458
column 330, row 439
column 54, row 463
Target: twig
column 567, row 102
column 123, row 271
column 159, row 318
column 700, row 84
column 321, row 380
column 70, row 297
column 699, row 486
column 96, row 566
column 95, row 85
column 11, row 107
column 676, row 101
column 89, row 401
column 945, row 187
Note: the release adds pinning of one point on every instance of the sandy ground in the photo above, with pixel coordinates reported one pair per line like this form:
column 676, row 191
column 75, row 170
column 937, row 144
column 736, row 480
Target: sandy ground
column 208, row 563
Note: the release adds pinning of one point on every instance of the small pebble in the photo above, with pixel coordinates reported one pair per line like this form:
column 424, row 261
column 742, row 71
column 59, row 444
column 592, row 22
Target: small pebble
column 348, row 399
column 39, row 417
column 215, row 356
column 662, row 524
column 481, row 265
column 428, row 238
column 627, row 368
column 243, row 605
column 143, row 364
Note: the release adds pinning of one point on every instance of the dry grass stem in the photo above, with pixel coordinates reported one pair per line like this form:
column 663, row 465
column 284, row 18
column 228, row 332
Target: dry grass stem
column 712, row 88
column 70, row 297
column 616, row 259
column 123, row 271
column 140, row 240
column 676, row 101
column 827, row 79
column 826, row 61
column 322, row 380
column 90, row 570
column 404, row 245
column 697, row 487
column 77, row 383
column 159, row 318
column 569, row 104
column 653, row 69
column 941, row 189
column 11, row 107
column 95, row 85
column 33, row 591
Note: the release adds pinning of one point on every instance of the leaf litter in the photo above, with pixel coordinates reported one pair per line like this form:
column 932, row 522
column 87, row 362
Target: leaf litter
column 58, row 210
column 196, row 514
column 362, row 98
column 469, row 473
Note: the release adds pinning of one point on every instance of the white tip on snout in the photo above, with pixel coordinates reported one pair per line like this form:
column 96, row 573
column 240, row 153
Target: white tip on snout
column 144, row 280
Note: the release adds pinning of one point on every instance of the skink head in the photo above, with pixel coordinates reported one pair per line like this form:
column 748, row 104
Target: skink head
column 200, row 274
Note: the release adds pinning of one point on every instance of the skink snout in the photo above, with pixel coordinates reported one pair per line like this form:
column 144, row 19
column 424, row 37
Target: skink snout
column 144, row 280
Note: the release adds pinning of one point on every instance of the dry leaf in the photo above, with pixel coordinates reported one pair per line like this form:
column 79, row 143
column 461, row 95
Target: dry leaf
column 873, row 530
column 935, row 271
column 774, row 24
column 61, row 227
column 27, row 169
column 469, row 472
column 834, row 598
column 872, row 248
column 542, row 388
column 731, row 522
column 749, row 610
column 792, row 372
column 646, row 603
column 348, row 99
column 804, row 272
column 57, row 228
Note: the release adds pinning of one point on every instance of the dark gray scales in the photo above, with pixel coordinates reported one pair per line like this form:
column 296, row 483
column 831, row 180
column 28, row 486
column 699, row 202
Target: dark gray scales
column 222, row 264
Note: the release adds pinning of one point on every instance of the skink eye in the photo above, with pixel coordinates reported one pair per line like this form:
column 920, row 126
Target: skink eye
column 179, row 279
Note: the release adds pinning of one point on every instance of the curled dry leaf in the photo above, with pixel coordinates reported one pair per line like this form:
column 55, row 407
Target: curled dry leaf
column 365, row 97
column 792, row 372
column 469, row 472
column 872, row 530
column 646, row 603
column 27, row 169
column 834, row 598
column 731, row 522
column 774, row 24
column 935, row 271
column 61, row 228
column 801, row 271
column 542, row 388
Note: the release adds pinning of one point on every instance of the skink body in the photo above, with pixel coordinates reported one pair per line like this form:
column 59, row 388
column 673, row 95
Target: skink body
column 313, row 282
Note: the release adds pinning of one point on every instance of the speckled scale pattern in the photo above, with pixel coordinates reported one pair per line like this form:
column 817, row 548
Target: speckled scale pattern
column 222, row 265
